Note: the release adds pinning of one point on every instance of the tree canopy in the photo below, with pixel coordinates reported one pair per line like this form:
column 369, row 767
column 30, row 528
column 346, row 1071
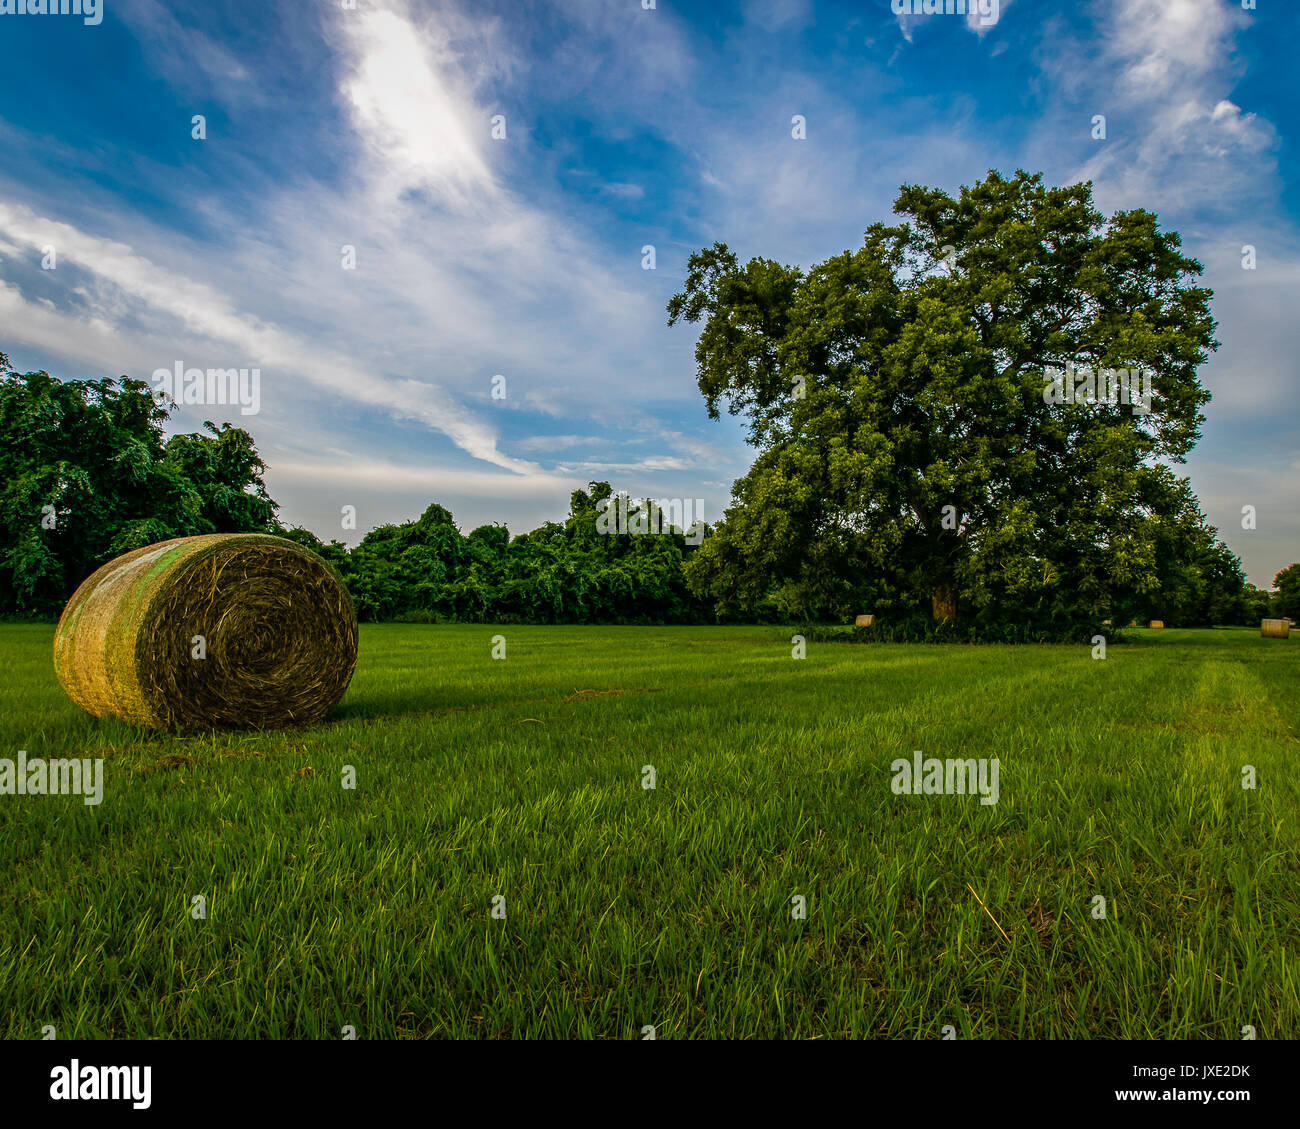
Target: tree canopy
column 561, row 572
column 1287, row 583
column 908, row 459
column 85, row 475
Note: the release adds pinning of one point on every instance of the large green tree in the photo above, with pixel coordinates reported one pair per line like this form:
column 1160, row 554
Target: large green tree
column 907, row 457
column 85, row 474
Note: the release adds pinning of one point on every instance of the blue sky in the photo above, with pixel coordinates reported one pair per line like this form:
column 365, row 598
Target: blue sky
column 522, row 256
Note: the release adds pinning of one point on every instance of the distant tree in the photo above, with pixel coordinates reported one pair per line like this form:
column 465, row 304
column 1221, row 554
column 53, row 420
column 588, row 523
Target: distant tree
column 1286, row 603
column 1224, row 586
column 1255, row 605
column 336, row 552
column 377, row 591
column 1194, row 579
column 479, row 585
column 399, row 569
column 225, row 471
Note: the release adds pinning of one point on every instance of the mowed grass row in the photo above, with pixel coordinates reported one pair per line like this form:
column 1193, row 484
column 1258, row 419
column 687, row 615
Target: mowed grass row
column 671, row 907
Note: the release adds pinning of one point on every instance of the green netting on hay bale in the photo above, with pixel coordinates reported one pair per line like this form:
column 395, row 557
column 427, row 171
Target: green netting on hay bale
column 278, row 628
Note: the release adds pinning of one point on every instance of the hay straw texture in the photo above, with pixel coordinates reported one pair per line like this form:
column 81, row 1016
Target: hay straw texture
column 1157, row 623
column 279, row 628
column 1274, row 629
column 864, row 621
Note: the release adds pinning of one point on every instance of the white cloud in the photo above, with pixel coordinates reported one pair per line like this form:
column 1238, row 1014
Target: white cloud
column 416, row 119
column 650, row 463
column 1164, row 44
column 1162, row 74
column 549, row 444
column 379, row 474
column 200, row 309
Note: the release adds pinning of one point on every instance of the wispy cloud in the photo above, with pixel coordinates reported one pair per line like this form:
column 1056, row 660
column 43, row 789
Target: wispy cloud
column 417, row 120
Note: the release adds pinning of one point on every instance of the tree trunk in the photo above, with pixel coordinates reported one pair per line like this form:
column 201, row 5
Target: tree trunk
column 944, row 603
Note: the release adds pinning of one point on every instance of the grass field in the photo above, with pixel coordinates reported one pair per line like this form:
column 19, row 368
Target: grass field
column 672, row 906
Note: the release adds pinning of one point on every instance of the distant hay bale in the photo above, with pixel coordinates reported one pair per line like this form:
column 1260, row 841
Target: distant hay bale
column 1157, row 623
column 1274, row 629
column 278, row 635
column 864, row 621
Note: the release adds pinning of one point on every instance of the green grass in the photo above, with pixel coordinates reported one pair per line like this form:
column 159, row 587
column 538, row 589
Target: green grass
column 672, row 907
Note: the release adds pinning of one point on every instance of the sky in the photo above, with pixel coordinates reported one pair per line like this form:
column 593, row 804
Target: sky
column 501, row 169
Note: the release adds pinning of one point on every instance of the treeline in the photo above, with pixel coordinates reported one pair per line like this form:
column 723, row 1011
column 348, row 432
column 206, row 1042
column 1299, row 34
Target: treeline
column 561, row 572
column 86, row 474
column 571, row 572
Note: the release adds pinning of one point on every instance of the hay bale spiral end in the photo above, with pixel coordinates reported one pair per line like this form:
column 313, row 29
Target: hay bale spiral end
column 219, row 631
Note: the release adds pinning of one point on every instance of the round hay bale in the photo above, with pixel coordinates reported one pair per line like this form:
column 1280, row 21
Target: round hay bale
column 278, row 635
column 1274, row 629
column 864, row 621
column 1157, row 623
